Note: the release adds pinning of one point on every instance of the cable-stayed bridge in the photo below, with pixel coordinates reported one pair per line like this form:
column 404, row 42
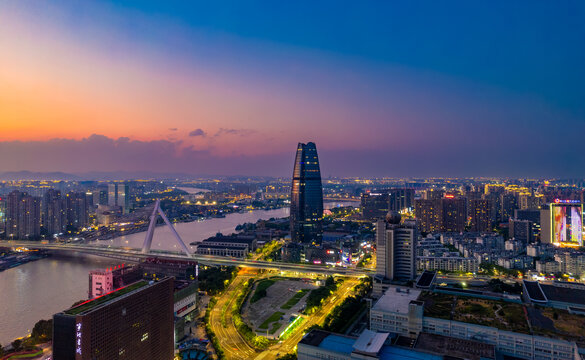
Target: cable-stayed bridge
column 136, row 255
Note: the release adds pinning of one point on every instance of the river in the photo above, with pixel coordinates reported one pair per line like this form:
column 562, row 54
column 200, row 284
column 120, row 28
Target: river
column 39, row 289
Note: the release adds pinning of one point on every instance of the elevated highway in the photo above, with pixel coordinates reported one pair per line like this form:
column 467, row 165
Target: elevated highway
column 136, row 255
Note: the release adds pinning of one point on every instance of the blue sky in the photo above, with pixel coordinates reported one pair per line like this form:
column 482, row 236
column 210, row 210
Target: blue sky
column 421, row 88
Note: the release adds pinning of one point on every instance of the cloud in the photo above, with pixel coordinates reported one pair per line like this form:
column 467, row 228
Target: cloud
column 103, row 153
column 173, row 129
column 198, row 132
column 238, row 132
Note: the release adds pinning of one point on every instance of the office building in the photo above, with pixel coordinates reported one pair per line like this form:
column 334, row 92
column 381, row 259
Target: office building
column 119, row 195
column 23, row 216
column 480, row 214
column 134, row 322
column 306, row 208
column 395, row 248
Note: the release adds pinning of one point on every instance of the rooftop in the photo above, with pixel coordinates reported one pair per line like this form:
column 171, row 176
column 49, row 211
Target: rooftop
column 370, row 341
column 460, row 348
column 396, row 299
column 426, row 279
column 92, row 304
column 563, row 294
column 397, row 353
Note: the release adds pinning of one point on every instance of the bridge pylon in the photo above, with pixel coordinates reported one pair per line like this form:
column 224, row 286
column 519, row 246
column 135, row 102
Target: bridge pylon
column 150, row 233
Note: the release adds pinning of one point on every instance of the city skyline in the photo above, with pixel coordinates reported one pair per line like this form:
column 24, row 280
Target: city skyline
column 384, row 90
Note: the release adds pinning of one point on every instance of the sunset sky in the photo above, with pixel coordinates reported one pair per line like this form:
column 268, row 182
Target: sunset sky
column 421, row 88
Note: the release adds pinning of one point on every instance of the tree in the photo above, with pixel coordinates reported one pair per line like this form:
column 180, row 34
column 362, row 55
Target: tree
column 1, row 350
column 43, row 331
column 17, row 345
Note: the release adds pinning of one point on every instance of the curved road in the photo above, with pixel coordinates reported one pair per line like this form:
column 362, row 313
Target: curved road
column 232, row 343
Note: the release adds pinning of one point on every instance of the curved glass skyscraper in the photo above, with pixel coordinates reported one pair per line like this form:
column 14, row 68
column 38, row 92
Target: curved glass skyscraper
column 306, row 208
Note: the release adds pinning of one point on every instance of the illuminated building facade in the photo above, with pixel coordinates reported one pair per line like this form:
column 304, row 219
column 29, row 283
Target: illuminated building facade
column 448, row 214
column 2, row 216
column 454, row 214
column 375, row 205
column 119, row 195
column 480, row 214
column 53, row 212
column 306, row 208
column 562, row 223
column 23, row 216
column 134, row 322
column 396, row 248
column 428, row 214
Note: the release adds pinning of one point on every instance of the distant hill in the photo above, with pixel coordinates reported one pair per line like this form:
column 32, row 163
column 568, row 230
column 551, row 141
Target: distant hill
column 30, row 175
column 95, row 175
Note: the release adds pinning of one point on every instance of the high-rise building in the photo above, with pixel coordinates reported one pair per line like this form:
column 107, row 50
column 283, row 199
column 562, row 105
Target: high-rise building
column 53, row 212
column 520, row 230
column 454, row 213
column 375, row 205
column 134, row 322
column 23, row 216
column 306, row 208
column 76, row 209
column 100, row 197
column 119, row 195
column 401, row 199
column 509, row 203
column 428, row 213
column 2, row 216
column 396, row 248
column 480, row 214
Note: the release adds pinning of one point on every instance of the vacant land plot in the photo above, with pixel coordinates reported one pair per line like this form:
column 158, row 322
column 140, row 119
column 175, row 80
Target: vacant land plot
column 272, row 318
column 295, row 299
column 279, row 299
column 260, row 291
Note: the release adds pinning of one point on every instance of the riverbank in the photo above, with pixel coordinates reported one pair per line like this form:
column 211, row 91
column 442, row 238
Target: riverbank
column 12, row 259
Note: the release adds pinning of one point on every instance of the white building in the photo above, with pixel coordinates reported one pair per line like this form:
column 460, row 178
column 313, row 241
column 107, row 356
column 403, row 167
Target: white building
column 399, row 311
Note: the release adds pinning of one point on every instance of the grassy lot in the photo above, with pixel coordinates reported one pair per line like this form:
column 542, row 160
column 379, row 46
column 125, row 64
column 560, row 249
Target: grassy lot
column 437, row 305
column 275, row 327
column 260, row 292
column 564, row 322
column 499, row 314
column 26, row 356
column 272, row 318
column 295, row 299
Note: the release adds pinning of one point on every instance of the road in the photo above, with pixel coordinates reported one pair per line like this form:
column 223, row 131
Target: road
column 230, row 340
